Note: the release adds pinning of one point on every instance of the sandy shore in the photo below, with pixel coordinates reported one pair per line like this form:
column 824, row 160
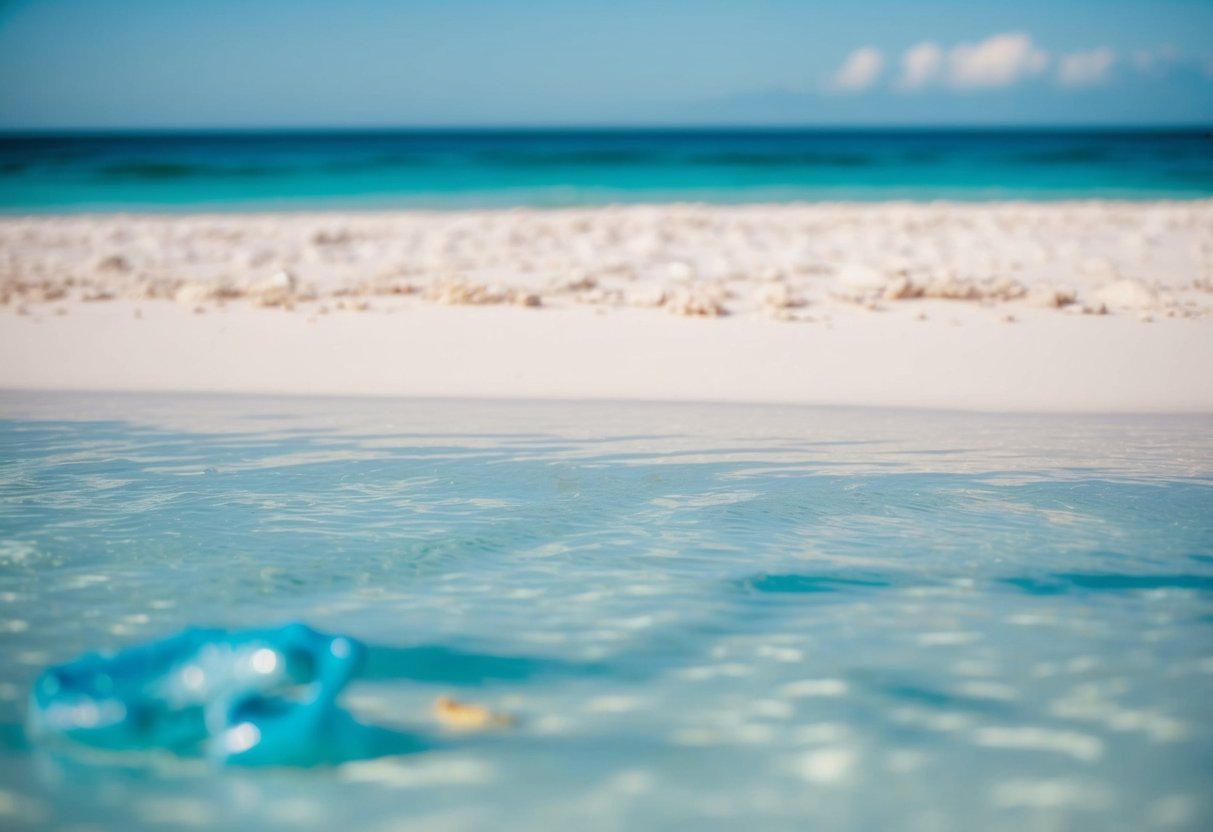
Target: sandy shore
column 1053, row 307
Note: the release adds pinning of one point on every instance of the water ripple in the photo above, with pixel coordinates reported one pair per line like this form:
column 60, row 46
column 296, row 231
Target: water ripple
column 839, row 605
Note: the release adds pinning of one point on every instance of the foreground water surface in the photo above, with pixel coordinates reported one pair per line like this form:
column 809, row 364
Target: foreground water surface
column 701, row 616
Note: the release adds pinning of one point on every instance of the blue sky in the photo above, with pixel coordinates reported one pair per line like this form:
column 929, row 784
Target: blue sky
column 293, row 63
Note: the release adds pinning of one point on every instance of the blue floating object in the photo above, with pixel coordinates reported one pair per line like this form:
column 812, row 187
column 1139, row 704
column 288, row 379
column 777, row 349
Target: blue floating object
column 247, row 697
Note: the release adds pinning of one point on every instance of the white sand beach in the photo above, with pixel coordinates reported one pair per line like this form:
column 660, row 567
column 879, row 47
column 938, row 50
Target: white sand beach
column 1093, row 306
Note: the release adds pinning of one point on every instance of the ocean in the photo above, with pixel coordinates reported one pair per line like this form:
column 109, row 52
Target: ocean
column 444, row 169
column 701, row 616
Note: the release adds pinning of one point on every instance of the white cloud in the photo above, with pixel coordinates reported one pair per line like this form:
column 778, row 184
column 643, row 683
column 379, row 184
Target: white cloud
column 1164, row 60
column 859, row 71
column 1001, row 60
column 997, row 61
column 1084, row 69
column 1157, row 61
column 920, row 66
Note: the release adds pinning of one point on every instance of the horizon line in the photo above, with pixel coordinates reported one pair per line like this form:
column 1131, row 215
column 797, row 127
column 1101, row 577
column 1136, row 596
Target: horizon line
column 607, row 127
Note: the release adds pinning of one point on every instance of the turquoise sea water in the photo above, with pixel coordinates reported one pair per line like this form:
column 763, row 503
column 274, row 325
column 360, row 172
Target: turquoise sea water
column 701, row 616
column 484, row 168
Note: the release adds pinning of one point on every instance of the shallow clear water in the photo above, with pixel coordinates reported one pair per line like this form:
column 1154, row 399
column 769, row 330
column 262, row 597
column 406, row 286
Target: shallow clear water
column 701, row 616
column 486, row 168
